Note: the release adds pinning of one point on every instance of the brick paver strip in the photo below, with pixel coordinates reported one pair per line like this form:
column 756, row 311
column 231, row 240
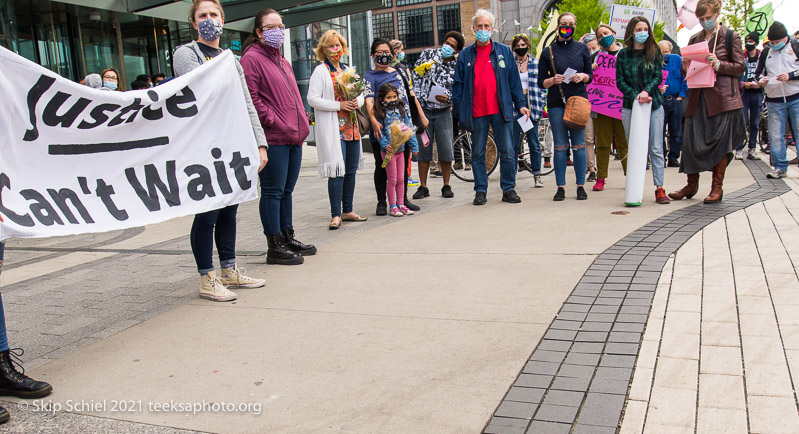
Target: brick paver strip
column 583, row 365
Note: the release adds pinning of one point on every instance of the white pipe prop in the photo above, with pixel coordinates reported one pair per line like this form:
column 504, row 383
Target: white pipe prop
column 637, row 151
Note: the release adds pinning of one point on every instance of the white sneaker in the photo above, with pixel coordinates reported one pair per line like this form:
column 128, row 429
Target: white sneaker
column 752, row 155
column 739, row 155
column 538, row 182
column 234, row 277
column 776, row 173
column 212, row 288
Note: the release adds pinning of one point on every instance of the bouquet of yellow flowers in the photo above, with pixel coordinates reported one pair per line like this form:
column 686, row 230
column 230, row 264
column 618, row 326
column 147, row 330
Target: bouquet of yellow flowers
column 350, row 86
column 400, row 133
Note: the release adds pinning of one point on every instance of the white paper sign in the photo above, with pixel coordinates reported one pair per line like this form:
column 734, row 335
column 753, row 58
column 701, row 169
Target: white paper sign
column 435, row 91
column 567, row 75
column 620, row 15
column 526, row 123
column 78, row 160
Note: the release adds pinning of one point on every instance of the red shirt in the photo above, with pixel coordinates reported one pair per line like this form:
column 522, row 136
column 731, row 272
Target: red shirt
column 486, row 101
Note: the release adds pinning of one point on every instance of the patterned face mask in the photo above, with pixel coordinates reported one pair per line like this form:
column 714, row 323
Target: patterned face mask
column 391, row 105
column 383, row 59
column 566, row 32
column 274, row 37
column 607, row 41
column 210, row 29
column 334, row 56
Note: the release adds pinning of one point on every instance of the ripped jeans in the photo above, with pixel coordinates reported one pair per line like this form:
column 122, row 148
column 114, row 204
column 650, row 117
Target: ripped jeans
column 563, row 138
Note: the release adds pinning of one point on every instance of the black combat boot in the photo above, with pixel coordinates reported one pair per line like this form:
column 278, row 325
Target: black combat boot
column 296, row 246
column 16, row 383
column 279, row 253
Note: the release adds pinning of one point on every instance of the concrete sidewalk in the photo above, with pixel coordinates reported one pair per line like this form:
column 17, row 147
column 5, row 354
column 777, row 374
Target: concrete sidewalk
column 413, row 324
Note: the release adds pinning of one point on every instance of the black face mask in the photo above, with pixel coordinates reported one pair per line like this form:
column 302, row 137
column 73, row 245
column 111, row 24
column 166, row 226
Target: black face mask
column 750, row 47
column 391, row 105
column 521, row 52
column 383, row 59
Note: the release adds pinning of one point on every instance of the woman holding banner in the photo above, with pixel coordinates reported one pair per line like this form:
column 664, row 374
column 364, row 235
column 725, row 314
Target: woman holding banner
column 714, row 118
column 338, row 144
column 207, row 18
column 13, row 382
column 638, row 77
column 277, row 98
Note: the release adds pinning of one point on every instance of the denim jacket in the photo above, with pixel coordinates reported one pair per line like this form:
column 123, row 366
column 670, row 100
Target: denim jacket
column 391, row 116
column 509, row 86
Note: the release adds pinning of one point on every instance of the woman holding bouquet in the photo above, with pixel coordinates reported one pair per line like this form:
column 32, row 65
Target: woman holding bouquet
column 334, row 93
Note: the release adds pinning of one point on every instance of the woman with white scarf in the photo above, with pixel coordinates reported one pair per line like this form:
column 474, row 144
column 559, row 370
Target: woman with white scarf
column 338, row 144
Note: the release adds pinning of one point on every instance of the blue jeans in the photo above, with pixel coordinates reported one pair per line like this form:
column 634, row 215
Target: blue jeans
column 563, row 136
column 753, row 103
column 342, row 189
column 673, row 121
column 778, row 113
column 219, row 225
column 3, row 336
column 277, row 184
column 532, row 141
column 655, row 141
column 507, row 157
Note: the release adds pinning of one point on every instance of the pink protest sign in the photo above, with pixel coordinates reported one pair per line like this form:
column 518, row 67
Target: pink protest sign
column 605, row 98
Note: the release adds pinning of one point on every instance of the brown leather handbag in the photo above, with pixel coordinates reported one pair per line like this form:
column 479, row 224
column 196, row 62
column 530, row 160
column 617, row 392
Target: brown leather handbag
column 578, row 109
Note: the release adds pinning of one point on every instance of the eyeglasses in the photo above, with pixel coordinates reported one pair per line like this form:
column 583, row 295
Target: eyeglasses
column 110, row 77
column 273, row 26
column 383, row 52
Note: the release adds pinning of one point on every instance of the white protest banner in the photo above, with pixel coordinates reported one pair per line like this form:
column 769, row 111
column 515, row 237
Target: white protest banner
column 620, row 15
column 75, row 159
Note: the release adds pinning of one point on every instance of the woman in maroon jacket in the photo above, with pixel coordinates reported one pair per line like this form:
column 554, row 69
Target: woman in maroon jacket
column 286, row 124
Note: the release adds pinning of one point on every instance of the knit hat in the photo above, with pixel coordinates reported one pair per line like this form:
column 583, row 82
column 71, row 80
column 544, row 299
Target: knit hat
column 753, row 36
column 777, row 31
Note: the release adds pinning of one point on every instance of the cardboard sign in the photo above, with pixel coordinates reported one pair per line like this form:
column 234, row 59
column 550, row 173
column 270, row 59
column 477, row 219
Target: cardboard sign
column 620, row 15
column 605, row 97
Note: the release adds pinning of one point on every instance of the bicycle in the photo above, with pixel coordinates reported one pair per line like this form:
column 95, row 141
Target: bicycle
column 462, row 147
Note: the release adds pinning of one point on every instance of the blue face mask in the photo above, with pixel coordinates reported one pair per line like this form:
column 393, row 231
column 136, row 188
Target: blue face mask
column 641, row 37
column 447, row 51
column 709, row 24
column 110, row 84
column 778, row 46
column 483, row 35
column 401, row 56
column 666, row 58
column 607, row 41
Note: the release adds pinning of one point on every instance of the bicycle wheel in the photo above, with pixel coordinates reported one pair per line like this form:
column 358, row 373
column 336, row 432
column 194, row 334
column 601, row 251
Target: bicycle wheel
column 547, row 143
column 492, row 157
column 525, row 157
column 462, row 161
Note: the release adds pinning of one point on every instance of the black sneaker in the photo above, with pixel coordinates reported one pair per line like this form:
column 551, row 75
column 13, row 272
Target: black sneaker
column 412, row 206
column 382, row 208
column 559, row 195
column 479, row 198
column 581, row 194
column 421, row 192
column 511, row 197
column 591, row 177
column 4, row 415
column 446, row 191
column 674, row 163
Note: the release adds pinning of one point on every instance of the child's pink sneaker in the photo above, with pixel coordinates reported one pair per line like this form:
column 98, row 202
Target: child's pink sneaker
column 396, row 212
column 405, row 210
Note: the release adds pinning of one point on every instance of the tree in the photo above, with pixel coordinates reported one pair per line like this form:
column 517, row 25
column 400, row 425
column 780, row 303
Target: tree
column 736, row 13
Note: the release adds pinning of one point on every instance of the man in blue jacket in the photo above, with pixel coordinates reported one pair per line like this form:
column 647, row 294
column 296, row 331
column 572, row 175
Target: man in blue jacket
column 486, row 89
column 673, row 95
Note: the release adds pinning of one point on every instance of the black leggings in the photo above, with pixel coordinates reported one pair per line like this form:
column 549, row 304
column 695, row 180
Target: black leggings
column 380, row 173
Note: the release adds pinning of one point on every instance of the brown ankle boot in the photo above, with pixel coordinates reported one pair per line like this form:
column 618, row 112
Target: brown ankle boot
column 716, row 193
column 689, row 190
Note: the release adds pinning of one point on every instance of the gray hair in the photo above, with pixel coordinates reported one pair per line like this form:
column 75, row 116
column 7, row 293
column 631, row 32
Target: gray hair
column 482, row 13
column 671, row 47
